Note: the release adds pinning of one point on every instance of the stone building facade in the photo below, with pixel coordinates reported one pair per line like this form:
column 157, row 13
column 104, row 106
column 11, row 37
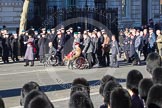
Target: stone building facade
column 130, row 12
column 10, row 11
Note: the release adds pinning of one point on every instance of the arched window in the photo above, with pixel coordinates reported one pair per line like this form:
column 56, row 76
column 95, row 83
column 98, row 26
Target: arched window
column 71, row 3
column 124, row 9
column 100, row 4
column 126, row 4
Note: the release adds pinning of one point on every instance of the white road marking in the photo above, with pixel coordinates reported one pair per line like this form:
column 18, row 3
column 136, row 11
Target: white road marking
column 59, row 100
column 33, row 71
column 16, row 73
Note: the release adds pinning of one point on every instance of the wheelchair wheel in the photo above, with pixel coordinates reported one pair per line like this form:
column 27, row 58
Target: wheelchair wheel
column 80, row 63
column 52, row 61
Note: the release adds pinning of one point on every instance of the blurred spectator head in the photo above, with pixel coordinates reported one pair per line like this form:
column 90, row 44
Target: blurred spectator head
column 153, row 60
column 40, row 102
column 79, row 87
column 80, row 100
column 144, row 87
column 154, row 99
column 109, row 87
column 103, row 82
column 133, row 79
column 37, row 99
column 26, row 89
column 120, row 98
column 157, row 75
column 82, row 81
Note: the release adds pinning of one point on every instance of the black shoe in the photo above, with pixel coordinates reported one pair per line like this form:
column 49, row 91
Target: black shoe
column 26, row 65
column 31, row 65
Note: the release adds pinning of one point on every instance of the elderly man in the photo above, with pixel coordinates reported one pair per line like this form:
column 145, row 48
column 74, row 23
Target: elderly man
column 151, row 41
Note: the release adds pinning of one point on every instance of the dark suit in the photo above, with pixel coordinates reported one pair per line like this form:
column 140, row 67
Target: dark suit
column 54, row 41
column 127, row 47
column 88, row 49
column 0, row 45
column 95, row 50
column 68, row 47
column 99, row 53
column 137, row 102
column 145, row 46
column 5, row 49
column 23, row 47
column 104, row 106
column 115, row 52
column 151, row 43
column 60, row 49
column 14, row 48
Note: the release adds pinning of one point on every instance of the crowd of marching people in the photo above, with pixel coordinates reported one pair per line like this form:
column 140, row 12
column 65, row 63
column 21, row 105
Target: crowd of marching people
column 139, row 92
column 94, row 45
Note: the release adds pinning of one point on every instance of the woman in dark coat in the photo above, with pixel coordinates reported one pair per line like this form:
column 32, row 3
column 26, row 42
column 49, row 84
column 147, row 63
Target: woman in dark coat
column 29, row 54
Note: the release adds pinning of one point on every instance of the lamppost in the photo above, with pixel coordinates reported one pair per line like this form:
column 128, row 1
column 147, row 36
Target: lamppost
column 86, row 16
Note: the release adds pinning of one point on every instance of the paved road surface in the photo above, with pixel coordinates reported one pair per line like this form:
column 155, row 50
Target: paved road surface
column 15, row 75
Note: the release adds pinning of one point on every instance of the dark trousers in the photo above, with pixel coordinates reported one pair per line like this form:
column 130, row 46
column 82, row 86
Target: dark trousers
column 15, row 56
column 100, row 57
column 41, row 58
column 145, row 52
column 106, row 59
column 59, row 56
column 127, row 55
column 90, row 59
column 150, row 50
column 5, row 55
column 95, row 58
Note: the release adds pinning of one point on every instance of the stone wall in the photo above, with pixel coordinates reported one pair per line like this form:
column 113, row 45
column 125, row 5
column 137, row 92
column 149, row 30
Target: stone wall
column 10, row 11
column 155, row 10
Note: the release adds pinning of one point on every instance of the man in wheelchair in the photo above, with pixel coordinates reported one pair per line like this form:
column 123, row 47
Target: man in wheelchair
column 73, row 55
column 51, row 55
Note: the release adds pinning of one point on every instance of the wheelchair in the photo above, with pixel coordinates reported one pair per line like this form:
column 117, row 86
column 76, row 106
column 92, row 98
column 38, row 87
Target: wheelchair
column 50, row 60
column 79, row 63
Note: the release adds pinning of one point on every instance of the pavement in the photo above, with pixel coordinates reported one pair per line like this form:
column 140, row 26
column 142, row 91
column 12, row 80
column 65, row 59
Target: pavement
column 15, row 75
